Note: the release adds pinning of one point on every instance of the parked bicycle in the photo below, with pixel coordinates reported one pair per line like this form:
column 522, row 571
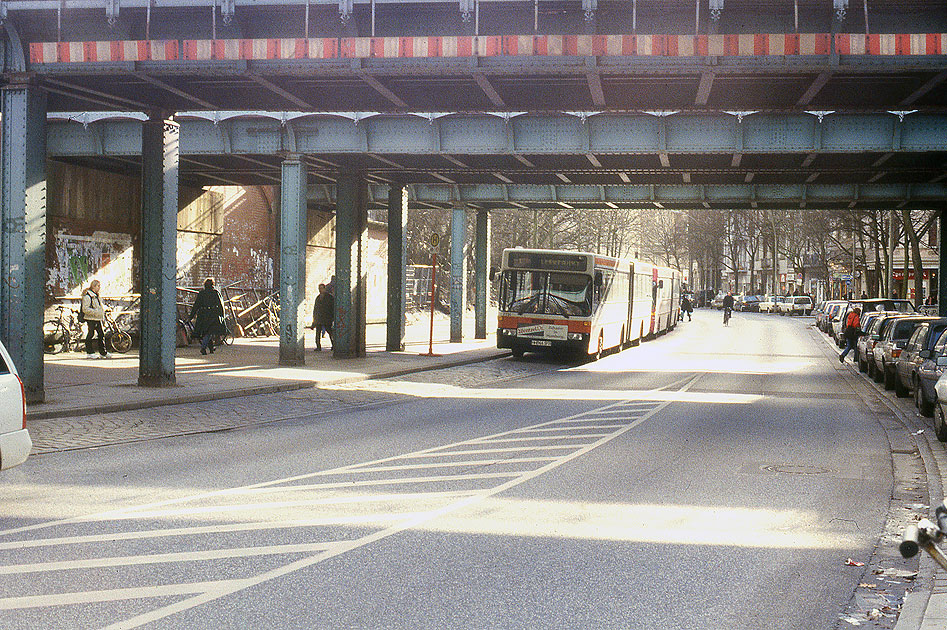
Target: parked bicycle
column 63, row 334
column 926, row 535
column 116, row 338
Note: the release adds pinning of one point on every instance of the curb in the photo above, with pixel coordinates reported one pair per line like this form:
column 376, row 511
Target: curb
column 250, row 391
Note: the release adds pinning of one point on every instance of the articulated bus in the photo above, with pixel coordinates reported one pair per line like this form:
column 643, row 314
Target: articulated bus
column 582, row 303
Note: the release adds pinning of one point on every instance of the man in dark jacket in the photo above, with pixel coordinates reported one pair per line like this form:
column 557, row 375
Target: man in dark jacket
column 323, row 315
column 209, row 309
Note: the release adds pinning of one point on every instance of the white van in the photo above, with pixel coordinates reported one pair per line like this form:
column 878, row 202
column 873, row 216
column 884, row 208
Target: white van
column 15, row 442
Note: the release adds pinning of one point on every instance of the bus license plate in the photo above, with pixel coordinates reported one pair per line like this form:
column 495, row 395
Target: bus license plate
column 541, row 342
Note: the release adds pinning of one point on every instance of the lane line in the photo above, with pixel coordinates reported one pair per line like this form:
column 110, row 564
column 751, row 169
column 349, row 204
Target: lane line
column 163, row 558
column 118, row 594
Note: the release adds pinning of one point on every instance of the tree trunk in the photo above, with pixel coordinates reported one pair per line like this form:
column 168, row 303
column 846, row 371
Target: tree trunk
column 911, row 236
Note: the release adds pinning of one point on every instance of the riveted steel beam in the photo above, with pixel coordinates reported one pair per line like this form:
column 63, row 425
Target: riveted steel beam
column 541, row 134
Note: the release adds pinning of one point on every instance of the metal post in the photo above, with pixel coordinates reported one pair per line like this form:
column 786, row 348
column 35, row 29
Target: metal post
column 23, row 240
column 350, row 224
column 159, row 218
column 942, row 266
column 482, row 274
column 458, row 272
column 292, row 295
column 397, row 254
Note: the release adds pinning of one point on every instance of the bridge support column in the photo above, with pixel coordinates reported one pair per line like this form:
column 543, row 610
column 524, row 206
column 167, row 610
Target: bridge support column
column 351, row 219
column 397, row 218
column 482, row 274
column 159, row 223
column 942, row 266
column 23, row 242
column 458, row 273
column 292, row 295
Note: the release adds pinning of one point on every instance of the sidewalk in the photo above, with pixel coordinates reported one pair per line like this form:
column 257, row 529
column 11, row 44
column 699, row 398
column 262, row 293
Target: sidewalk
column 77, row 386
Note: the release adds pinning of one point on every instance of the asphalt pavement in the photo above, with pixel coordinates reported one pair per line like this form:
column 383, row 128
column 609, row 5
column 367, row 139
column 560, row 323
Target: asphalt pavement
column 81, row 393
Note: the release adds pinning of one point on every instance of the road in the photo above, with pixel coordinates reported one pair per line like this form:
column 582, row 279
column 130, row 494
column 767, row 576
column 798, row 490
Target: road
column 717, row 477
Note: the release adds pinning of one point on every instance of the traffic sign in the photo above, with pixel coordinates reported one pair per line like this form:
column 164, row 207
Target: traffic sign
column 435, row 240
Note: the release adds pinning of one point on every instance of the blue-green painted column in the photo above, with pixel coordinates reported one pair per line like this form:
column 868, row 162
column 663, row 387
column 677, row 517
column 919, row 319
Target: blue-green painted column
column 159, row 219
column 23, row 242
column 351, row 220
column 942, row 266
column 458, row 272
column 397, row 246
column 292, row 294
column 482, row 274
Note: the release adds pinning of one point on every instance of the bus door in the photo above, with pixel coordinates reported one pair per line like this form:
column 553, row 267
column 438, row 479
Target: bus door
column 654, row 297
column 631, row 302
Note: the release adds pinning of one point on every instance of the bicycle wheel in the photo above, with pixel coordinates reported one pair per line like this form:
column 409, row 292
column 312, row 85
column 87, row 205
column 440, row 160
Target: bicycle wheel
column 227, row 339
column 120, row 341
column 55, row 339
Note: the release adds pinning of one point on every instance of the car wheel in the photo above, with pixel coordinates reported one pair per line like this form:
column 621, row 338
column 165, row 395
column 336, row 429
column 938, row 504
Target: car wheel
column 940, row 423
column 879, row 374
column 871, row 368
column 862, row 365
column 924, row 406
column 887, row 378
column 899, row 389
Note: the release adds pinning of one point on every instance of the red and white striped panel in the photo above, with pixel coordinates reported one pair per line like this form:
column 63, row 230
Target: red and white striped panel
column 74, row 52
column 488, row 46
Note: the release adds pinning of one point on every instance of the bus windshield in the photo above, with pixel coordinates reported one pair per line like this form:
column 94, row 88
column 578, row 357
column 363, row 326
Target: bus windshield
column 546, row 293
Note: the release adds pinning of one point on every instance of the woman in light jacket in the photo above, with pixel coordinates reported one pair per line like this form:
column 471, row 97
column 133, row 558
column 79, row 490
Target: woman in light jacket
column 94, row 315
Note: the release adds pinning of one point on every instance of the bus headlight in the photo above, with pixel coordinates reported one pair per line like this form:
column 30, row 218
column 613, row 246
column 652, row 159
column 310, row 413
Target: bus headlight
column 510, row 332
column 575, row 336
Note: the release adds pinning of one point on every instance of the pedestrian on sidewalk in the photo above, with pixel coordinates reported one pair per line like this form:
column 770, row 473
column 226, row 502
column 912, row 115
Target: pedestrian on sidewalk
column 686, row 307
column 209, row 309
column 852, row 332
column 323, row 315
column 94, row 314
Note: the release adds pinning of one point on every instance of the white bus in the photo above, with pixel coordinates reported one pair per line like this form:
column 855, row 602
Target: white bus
column 583, row 303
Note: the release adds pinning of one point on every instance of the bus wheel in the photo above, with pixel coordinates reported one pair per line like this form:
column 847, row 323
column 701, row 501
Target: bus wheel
column 599, row 349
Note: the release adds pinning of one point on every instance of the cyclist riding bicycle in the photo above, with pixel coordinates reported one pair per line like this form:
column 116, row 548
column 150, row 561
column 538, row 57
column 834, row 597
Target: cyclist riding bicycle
column 727, row 308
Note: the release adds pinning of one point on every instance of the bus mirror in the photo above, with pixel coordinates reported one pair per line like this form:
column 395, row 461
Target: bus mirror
column 598, row 279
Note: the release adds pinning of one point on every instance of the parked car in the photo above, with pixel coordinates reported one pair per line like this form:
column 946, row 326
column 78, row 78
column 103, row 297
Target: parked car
column 717, row 302
column 824, row 315
column 748, row 304
column 932, row 367
column 918, row 348
column 795, row 305
column 894, row 335
column 866, row 343
column 768, row 304
column 940, row 403
column 867, row 305
column 15, row 443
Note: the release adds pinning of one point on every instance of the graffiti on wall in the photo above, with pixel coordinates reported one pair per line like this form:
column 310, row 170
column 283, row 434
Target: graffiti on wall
column 106, row 256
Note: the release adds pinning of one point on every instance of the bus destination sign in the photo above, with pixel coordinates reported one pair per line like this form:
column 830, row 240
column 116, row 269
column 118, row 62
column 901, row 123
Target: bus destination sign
column 546, row 261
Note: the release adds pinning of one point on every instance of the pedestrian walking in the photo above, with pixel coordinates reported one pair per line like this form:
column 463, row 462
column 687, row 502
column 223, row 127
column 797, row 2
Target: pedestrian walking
column 852, row 332
column 323, row 315
column 93, row 313
column 209, row 311
column 686, row 307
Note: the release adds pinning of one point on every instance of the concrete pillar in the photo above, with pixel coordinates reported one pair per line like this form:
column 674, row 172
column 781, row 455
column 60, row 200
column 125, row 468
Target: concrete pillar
column 292, row 295
column 482, row 274
column 397, row 244
column 942, row 267
column 159, row 219
column 351, row 220
column 458, row 273
column 23, row 241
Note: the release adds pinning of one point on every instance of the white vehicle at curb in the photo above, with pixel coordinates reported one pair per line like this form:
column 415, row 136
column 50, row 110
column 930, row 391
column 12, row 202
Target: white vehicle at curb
column 792, row 305
column 15, row 442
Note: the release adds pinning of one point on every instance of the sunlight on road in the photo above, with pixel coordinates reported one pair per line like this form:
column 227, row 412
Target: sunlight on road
column 434, row 390
column 658, row 524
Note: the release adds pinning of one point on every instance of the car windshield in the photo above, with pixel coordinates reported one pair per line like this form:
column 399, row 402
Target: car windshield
column 546, row 293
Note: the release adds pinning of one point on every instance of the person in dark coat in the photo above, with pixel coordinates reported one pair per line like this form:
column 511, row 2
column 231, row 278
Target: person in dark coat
column 323, row 314
column 209, row 309
column 686, row 307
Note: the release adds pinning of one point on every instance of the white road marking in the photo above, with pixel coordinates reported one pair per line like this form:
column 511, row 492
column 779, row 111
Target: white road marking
column 115, row 594
column 161, row 558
